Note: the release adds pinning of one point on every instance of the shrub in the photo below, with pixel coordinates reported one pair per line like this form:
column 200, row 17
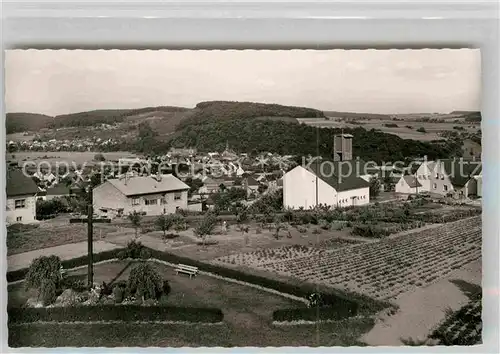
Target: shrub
column 122, row 255
column 421, row 130
column 145, row 282
column 145, row 253
column 118, row 294
column 126, row 313
column 166, row 289
column 325, row 225
column 48, row 292
column 41, row 269
column 74, row 284
column 134, row 249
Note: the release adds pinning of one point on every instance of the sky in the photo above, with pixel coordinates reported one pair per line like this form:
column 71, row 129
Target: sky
column 56, row 82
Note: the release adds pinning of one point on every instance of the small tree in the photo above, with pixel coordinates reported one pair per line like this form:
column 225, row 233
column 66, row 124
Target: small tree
column 145, row 282
column 135, row 218
column 48, row 292
column 164, row 223
column 99, row 157
column 43, row 269
column 374, row 187
column 206, row 226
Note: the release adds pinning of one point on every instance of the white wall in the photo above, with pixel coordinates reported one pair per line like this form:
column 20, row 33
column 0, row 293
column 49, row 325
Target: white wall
column 299, row 190
column 27, row 214
column 403, row 187
column 354, row 197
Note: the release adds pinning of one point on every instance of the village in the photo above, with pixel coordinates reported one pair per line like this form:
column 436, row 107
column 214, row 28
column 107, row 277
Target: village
column 158, row 218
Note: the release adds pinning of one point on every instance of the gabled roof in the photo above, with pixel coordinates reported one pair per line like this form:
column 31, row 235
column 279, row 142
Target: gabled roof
column 59, row 189
column 460, row 171
column 20, row 184
column 148, row 185
column 411, row 181
column 339, row 175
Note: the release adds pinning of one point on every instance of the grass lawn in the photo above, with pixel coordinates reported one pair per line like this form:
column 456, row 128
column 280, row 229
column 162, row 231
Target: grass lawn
column 247, row 319
column 51, row 233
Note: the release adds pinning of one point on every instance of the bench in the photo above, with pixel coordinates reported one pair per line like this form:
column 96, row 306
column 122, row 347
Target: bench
column 182, row 268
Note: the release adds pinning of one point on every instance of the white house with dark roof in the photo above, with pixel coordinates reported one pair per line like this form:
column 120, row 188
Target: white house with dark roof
column 408, row 185
column 21, row 198
column 331, row 183
column 153, row 195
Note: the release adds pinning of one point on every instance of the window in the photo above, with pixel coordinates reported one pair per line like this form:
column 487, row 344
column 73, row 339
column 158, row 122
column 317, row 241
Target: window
column 177, row 196
column 151, row 201
column 434, row 185
column 20, row 203
column 445, row 188
column 136, row 201
column 163, row 201
column 19, row 218
column 442, row 176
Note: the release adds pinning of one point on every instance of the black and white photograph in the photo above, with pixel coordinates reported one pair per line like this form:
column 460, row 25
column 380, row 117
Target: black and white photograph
column 243, row 198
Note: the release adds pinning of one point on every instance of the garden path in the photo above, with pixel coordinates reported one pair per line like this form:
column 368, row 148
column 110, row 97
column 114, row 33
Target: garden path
column 68, row 251
column 423, row 309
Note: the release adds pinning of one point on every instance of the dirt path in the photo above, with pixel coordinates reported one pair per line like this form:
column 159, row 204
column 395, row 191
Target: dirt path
column 423, row 309
column 68, row 251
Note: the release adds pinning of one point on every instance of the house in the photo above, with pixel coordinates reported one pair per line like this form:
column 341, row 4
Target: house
column 21, row 198
column 449, row 177
column 321, row 182
column 58, row 191
column 153, row 195
column 408, row 184
column 251, row 185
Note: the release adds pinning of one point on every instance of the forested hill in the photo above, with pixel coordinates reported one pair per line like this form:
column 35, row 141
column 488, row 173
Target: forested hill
column 20, row 122
column 226, row 110
column 245, row 135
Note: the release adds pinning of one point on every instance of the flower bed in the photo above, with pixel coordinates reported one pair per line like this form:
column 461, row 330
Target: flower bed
column 125, row 313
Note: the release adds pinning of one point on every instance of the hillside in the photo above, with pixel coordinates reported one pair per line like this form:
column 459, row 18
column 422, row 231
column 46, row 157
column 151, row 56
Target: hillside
column 356, row 115
column 226, row 110
column 20, row 122
column 299, row 139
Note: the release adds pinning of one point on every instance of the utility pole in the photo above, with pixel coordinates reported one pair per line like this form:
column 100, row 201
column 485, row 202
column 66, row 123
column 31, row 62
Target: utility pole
column 90, row 238
column 89, row 220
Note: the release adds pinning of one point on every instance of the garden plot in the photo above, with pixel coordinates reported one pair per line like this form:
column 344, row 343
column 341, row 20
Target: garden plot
column 385, row 269
column 463, row 327
column 266, row 257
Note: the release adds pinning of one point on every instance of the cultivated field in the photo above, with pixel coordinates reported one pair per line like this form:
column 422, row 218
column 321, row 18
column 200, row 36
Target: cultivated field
column 402, row 130
column 247, row 319
column 69, row 157
column 384, row 269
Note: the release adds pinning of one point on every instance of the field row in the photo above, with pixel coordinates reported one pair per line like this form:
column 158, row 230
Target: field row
column 388, row 268
column 463, row 327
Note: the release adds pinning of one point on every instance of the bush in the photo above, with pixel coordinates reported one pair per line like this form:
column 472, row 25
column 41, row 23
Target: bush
column 316, row 314
column 127, row 313
column 145, row 282
column 48, row 292
column 74, row 284
column 118, row 294
column 122, row 255
column 134, row 249
column 421, row 130
column 41, row 269
column 166, row 289
column 145, row 253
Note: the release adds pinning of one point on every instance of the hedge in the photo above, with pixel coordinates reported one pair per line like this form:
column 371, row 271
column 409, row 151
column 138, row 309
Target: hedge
column 304, row 290
column 315, row 313
column 128, row 313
